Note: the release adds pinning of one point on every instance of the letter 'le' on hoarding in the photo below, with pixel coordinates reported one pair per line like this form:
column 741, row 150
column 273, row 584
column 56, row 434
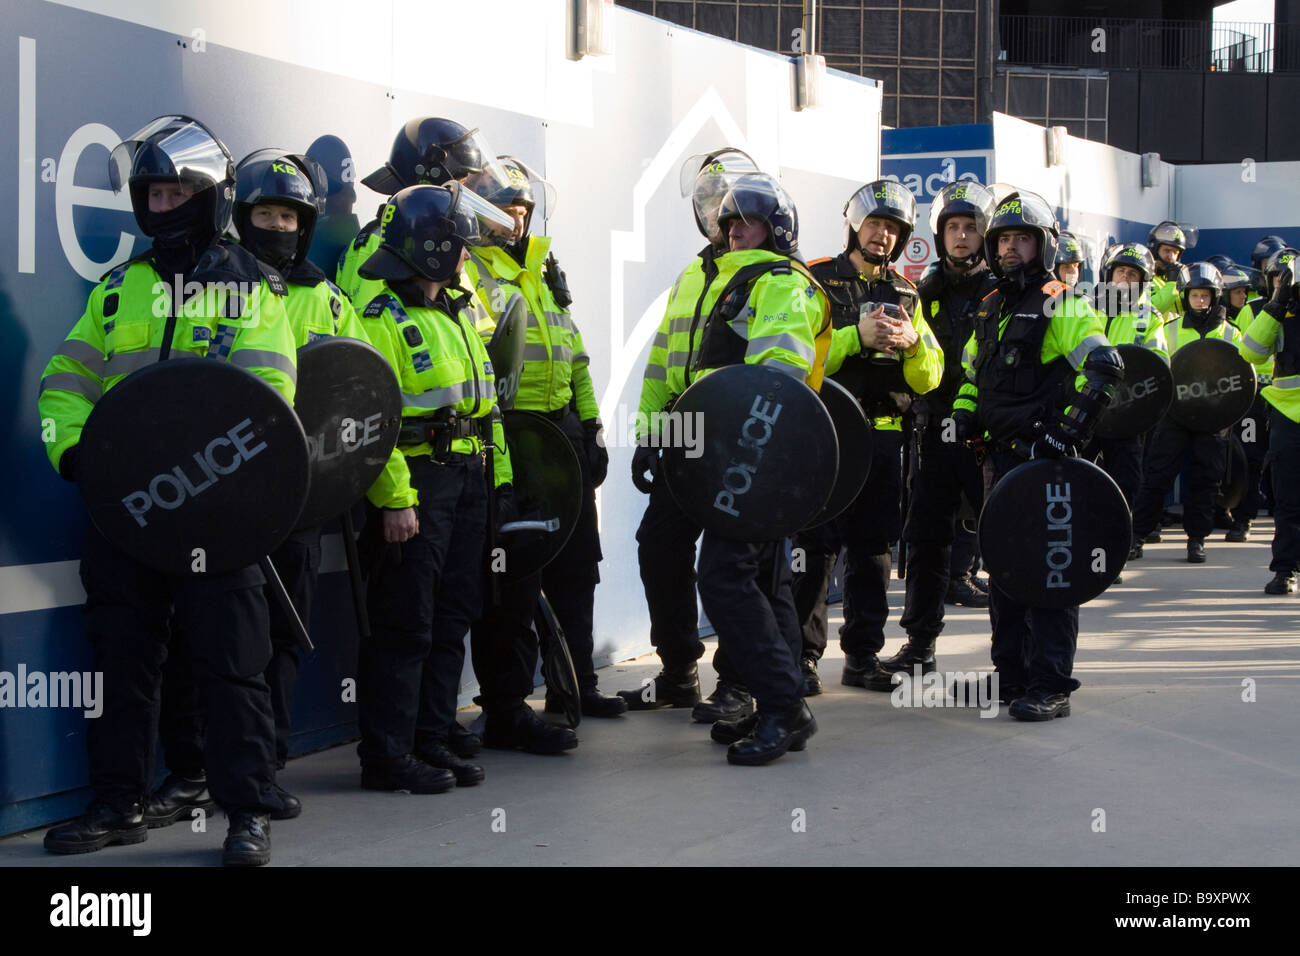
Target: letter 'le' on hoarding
column 351, row 409
column 194, row 454
column 768, row 458
column 1045, row 524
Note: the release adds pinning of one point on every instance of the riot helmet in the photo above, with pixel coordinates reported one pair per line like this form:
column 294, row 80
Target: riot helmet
column 432, row 150
column 1022, row 211
column 178, row 150
column 1219, row 261
column 705, row 178
column 1120, row 295
column 760, row 198
column 285, row 179
column 884, row 199
column 1236, row 277
column 1200, row 275
column 1069, row 251
column 422, row 231
column 1176, row 235
column 1282, row 259
column 523, row 187
column 962, row 198
column 1265, row 248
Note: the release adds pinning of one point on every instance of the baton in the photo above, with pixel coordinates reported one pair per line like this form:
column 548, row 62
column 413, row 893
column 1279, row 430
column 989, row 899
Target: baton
column 354, row 574
column 282, row 597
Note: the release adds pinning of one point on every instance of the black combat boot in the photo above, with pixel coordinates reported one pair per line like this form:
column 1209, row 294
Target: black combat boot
column 593, row 704
column 98, row 827
column 772, row 736
column 860, row 669
column 672, row 687
column 1039, row 706
column 1283, row 583
column 916, row 650
column 812, row 682
column 963, row 593
column 439, row 755
column 1196, row 550
column 177, row 797
column 406, row 774
column 522, row 729
column 462, row 742
column 727, row 702
column 248, row 840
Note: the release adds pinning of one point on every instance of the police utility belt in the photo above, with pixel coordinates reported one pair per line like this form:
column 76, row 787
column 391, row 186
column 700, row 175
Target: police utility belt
column 442, row 429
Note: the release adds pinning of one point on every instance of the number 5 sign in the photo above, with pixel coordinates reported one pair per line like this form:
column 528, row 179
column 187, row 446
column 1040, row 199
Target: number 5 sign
column 918, row 250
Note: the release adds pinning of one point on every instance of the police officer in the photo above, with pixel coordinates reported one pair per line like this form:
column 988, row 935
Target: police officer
column 1127, row 271
column 1275, row 334
column 1069, row 259
column 666, row 536
column 427, row 150
column 882, row 360
column 432, row 498
column 945, row 471
column 555, row 382
column 1264, row 250
column 1030, row 338
column 1202, row 316
column 181, row 180
column 771, row 318
column 1167, row 241
column 1252, row 431
column 277, row 201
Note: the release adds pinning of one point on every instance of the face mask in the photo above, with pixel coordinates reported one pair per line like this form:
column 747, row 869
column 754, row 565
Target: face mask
column 274, row 248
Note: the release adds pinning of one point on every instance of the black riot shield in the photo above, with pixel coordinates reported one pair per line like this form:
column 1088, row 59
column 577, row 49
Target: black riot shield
column 193, row 465
column 548, row 486
column 1232, row 489
column 1055, row 532
column 1142, row 399
column 854, row 436
column 506, row 349
column 557, row 664
column 1213, row 386
column 351, row 409
column 763, row 457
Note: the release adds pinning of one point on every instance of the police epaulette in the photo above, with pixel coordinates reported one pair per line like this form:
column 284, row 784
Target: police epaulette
column 273, row 278
column 364, row 235
column 377, row 305
column 1055, row 287
column 123, row 266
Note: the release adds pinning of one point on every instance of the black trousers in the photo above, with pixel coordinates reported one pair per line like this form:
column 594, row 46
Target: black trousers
column 503, row 643
column 865, row 531
column 745, row 590
column 948, row 471
column 1121, row 458
column 1253, row 431
column 1033, row 647
column 421, row 599
column 129, row 615
column 1284, row 448
column 666, row 558
column 297, row 561
column 1164, row 460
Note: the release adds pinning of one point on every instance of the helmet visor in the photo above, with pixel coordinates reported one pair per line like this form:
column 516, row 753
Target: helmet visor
column 488, row 220
column 707, row 177
column 525, row 187
column 962, row 199
column 170, row 147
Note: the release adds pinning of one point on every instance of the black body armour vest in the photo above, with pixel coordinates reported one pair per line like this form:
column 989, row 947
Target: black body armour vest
column 1288, row 346
column 720, row 345
column 870, row 377
column 958, row 299
column 1015, row 388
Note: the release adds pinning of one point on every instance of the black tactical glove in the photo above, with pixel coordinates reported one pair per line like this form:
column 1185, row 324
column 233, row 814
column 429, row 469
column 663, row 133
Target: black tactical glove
column 1057, row 441
column 645, row 459
column 597, row 453
column 507, row 510
column 966, row 423
column 1284, row 292
column 69, row 464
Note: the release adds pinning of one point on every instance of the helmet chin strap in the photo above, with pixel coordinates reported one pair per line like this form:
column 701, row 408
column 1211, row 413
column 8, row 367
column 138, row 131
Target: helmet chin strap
column 963, row 263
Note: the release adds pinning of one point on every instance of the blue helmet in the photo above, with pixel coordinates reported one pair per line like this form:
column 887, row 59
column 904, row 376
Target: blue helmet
column 759, row 197
column 422, row 232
